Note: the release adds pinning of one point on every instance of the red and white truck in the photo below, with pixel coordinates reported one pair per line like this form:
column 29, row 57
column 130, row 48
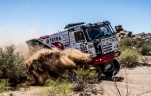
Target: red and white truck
column 97, row 39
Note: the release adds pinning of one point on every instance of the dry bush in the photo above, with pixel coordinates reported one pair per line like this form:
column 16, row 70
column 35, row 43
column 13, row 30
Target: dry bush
column 129, row 58
column 82, row 86
column 56, row 88
column 145, row 49
column 126, row 43
column 140, row 43
column 144, row 61
column 84, row 83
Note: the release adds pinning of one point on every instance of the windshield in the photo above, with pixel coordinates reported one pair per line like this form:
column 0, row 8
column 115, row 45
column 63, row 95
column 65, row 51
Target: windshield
column 99, row 32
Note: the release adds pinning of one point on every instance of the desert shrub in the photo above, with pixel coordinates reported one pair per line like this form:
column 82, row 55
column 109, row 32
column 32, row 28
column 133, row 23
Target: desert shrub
column 145, row 61
column 56, row 87
column 129, row 57
column 126, row 43
column 24, row 85
column 11, row 64
column 84, row 84
column 145, row 49
column 140, row 43
column 83, row 80
column 4, row 85
column 87, row 76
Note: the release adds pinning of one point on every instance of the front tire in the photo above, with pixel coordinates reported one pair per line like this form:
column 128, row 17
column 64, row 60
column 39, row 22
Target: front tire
column 98, row 78
column 116, row 69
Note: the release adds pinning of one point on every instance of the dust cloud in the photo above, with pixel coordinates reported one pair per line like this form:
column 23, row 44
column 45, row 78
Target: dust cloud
column 47, row 63
column 44, row 63
column 18, row 35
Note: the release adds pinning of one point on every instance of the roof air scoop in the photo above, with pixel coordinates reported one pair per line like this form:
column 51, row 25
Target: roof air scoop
column 73, row 24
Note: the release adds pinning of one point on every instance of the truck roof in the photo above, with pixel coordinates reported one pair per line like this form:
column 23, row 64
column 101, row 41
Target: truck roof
column 73, row 24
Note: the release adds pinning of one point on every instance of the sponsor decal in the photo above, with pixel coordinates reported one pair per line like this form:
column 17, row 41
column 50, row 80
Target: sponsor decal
column 90, row 45
column 66, row 37
column 66, row 44
column 47, row 41
column 83, row 48
column 55, row 39
column 58, row 44
column 64, row 34
column 66, row 40
column 107, row 43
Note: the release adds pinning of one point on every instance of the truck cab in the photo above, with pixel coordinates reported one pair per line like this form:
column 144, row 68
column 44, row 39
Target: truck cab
column 95, row 38
column 100, row 40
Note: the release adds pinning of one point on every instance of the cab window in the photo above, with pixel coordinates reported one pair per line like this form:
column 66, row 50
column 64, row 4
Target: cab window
column 79, row 37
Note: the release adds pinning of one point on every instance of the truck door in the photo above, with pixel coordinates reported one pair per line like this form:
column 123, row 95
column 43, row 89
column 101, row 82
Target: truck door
column 77, row 40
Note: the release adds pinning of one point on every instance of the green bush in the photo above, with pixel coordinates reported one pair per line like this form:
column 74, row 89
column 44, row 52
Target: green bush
column 85, row 83
column 11, row 63
column 24, row 85
column 82, row 81
column 126, row 43
column 56, row 87
column 4, row 85
column 145, row 60
column 145, row 49
column 81, row 85
column 129, row 57
column 140, row 43
column 87, row 76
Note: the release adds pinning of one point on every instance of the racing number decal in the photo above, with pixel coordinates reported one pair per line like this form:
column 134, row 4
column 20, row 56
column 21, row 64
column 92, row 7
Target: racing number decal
column 83, row 48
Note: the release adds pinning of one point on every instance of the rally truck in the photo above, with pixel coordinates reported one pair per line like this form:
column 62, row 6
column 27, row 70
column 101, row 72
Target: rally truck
column 97, row 39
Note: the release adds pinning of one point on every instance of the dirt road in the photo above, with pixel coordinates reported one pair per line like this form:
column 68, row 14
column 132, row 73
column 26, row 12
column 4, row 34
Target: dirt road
column 136, row 82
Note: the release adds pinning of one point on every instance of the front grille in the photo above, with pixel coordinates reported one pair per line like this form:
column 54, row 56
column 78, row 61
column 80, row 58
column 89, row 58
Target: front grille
column 107, row 49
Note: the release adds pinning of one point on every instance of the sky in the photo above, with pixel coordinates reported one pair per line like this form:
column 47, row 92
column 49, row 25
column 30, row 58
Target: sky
column 25, row 19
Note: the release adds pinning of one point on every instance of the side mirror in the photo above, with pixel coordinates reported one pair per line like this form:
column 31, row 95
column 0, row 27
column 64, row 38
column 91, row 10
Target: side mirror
column 114, row 33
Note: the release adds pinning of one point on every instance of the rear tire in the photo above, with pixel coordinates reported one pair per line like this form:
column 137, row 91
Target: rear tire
column 116, row 69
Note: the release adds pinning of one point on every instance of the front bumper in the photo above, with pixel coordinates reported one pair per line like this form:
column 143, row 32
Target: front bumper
column 105, row 58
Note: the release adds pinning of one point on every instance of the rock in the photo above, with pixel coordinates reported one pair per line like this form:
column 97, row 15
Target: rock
column 146, row 40
column 129, row 34
column 118, row 28
column 134, row 38
column 122, row 33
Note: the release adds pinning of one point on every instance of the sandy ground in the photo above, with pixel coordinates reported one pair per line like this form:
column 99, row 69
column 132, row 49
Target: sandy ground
column 136, row 82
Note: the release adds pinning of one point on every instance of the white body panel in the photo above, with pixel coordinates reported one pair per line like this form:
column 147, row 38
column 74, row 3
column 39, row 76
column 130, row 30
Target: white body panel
column 64, row 40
